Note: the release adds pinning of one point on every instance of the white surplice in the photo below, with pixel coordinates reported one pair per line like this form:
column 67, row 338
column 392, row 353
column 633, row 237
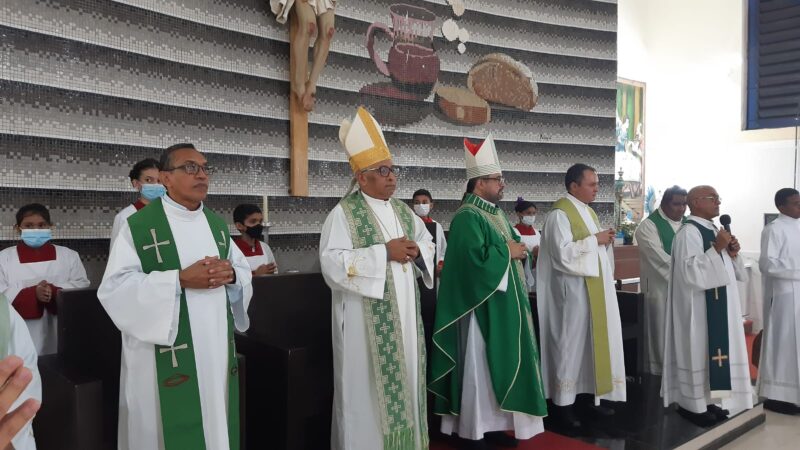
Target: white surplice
column 145, row 307
column 686, row 358
column 119, row 219
column 530, row 242
column 353, row 274
column 779, row 370
column 256, row 261
column 564, row 314
column 21, row 345
column 66, row 271
column 654, row 267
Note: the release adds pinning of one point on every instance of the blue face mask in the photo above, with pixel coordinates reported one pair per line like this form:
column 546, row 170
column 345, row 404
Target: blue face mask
column 37, row 237
column 153, row 191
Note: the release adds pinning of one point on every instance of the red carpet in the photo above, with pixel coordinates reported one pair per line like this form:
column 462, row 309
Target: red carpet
column 544, row 441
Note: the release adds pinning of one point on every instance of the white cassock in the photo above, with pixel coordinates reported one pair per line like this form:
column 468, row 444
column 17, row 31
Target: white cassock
column 20, row 344
column 256, row 256
column 356, row 419
column 686, row 359
column 145, row 307
column 779, row 369
column 654, row 268
column 65, row 271
column 119, row 219
column 530, row 242
column 564, row 314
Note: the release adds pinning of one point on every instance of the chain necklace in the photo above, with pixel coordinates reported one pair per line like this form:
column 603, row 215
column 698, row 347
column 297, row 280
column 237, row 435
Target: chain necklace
column 396, row 228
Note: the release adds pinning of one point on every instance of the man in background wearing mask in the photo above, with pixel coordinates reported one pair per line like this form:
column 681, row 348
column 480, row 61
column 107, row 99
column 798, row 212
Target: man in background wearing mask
column 144, row 178
column 33, row 271
column 423, row 204
column 530, row 236
column 249, row 219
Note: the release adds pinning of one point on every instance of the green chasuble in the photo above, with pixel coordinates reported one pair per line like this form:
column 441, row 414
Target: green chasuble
column 719, row 368
column 477, row 259
column 595, row 289
column 178, row 390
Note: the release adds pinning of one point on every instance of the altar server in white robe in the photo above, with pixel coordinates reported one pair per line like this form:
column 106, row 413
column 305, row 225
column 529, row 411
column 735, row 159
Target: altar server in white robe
column 144, row 178
column 33, row 271
column 163, row 330
column 779, row 369
column 654, row 236
column 372, row 249
column 580, row 328
column 249, row 221
column 16, row 340
column 703, row 311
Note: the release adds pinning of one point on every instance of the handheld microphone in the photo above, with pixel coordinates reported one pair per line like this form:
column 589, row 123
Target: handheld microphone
column 725, row 221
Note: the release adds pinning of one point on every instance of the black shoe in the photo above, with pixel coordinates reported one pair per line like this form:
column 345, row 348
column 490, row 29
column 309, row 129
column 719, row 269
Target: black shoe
column 781, row 407
column 469, row 444
column 500, row 438
column 719, row 413
column 599, row 411
column 564, row 418
column 705, row 419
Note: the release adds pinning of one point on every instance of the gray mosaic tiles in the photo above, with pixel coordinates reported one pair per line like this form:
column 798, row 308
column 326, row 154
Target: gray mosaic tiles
column 89, row 87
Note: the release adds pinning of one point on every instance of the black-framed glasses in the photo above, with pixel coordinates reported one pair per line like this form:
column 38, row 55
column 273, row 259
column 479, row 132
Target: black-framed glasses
column 500, row 180
column 191, row 168
column 384, row 171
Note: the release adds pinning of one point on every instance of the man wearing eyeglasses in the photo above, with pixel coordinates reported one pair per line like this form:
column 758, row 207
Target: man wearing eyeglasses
column 484, row 363
column 176, row 286
column 579, row 323
column 372, row 250
column 706, row 370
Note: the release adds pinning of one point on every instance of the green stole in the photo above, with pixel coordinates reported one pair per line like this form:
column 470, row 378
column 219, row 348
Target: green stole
column 595, row 287
column 477, row 258
column 5, row 325
column 385, row 333
column 665, row 231
column 176, row 370
column 719, row 367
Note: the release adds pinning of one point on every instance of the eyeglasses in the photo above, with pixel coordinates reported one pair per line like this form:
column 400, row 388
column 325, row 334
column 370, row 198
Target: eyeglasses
column 384, row 171
column 191, row 168
column 713, row 198
column 500, row 180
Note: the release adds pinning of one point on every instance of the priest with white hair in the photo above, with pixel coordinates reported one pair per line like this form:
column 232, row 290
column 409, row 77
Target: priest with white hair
column 372, row 250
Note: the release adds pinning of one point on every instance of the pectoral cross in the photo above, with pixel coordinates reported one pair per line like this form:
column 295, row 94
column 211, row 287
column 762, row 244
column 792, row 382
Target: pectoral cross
column 172, row 349
column 155, row 245
column 720, row 357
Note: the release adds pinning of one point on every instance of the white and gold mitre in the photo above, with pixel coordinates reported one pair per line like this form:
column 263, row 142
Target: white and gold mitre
column 363, row 140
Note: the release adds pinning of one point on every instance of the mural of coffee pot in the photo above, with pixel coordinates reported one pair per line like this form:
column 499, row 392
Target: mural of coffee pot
column 412, row 64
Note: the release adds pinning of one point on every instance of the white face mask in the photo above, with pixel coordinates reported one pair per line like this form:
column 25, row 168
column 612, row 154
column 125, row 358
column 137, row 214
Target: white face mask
column 422, row 209
column 529, row 220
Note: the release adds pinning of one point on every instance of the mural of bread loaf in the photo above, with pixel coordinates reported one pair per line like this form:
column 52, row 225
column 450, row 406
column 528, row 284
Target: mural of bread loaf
column 499, row 78
column 461, row 106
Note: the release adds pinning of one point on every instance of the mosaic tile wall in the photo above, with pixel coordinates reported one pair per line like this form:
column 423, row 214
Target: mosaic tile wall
column 89, row 87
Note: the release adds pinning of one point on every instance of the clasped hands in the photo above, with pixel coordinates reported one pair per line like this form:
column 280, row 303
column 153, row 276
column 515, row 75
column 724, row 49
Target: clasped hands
column 401, row 250
column 207, row 273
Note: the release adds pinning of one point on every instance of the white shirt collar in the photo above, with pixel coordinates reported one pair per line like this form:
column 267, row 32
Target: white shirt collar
column 374, row 201
column 576, row 201
column 784, row 217
column 661, row 212
column 704, row 222
column 179, row 211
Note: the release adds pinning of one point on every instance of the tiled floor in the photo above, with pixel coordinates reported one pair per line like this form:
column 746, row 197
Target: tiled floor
column 780, row 432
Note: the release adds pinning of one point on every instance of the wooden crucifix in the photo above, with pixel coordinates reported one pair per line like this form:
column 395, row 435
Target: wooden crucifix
column 307, row 18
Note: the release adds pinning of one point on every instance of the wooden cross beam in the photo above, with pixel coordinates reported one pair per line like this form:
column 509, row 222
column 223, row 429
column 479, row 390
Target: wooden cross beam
column 298, row 127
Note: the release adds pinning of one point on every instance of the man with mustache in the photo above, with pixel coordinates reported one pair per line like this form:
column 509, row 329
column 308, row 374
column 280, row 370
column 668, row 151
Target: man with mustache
column 706, row 369
column 484, row 362
column 176, row 286
column 372, row 250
